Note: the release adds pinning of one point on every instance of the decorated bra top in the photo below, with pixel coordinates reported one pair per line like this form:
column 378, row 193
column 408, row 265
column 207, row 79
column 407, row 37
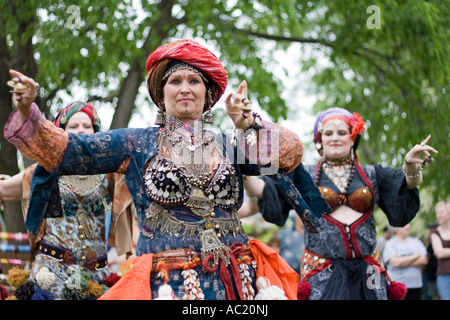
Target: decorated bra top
column 87, row 191
column 190, row 168
column 358, row 195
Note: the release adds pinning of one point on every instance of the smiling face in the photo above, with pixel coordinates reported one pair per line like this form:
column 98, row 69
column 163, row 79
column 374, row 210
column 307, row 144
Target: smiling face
column 184, row 95
column 79, row 123
column 336, row 140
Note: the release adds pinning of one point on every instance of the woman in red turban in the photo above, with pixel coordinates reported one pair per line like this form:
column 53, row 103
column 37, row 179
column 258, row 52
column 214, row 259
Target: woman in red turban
column 186, row 181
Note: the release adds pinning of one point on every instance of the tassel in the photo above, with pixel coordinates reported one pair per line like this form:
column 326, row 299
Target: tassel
column 40, row 294
column 111, row 279
column 44, row 278
column 25, row 291
column 18, row 277
column 160, row 118
column 85, row 224
column 396, row 291
column 165, row 292
column 266, row 291
column 303, row 290
column 94, row 289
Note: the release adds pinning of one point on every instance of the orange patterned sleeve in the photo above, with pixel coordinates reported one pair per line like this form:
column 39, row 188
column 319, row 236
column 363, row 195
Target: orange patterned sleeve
column 37, row 138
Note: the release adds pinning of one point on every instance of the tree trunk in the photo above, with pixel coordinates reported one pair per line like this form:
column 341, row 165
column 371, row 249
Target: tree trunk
column 21, row 59
column 160, row 30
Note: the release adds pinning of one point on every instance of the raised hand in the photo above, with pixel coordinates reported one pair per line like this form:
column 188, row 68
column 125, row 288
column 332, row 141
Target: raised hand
column 24, row 90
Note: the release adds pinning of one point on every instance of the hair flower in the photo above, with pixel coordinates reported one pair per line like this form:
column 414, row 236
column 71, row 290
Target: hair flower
column 357, row 124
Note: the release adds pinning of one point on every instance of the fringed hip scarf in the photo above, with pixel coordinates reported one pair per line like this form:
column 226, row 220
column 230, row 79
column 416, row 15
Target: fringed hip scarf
column 235, row 260
column 135, row 284
column 347, row 275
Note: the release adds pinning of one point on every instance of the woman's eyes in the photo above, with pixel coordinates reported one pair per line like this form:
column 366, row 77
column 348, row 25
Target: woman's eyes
column 177, row 81
column 341, row 133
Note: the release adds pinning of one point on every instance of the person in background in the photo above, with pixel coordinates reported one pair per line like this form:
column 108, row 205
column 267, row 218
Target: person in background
column 71, row 247
column 440, row 239
column 429, row 270
column 388, row 232
column 292, row 238
column 336, row 260
column 405, row 256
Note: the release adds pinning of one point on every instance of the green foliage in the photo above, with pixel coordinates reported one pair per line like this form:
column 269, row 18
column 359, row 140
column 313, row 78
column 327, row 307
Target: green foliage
column 396, row 76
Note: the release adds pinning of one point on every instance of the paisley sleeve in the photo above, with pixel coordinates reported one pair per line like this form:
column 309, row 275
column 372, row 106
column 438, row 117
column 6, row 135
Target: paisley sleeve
column 37, row 138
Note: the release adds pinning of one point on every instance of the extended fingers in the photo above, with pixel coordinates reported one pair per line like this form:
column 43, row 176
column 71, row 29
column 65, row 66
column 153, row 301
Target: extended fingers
column 424, row 142
column 23, row 79
column 228, row 100
column 242, row 89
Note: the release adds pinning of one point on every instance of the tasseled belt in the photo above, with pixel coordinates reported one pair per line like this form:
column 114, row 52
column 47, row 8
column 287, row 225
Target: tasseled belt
column 186, row 259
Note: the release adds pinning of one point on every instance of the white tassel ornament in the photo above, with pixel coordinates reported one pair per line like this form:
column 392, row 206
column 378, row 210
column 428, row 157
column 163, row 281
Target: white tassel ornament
column 165, row 292
column 266, row 291
column 44, row 278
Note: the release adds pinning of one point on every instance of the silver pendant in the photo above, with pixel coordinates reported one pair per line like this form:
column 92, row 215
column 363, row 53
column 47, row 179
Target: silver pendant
column 212, row 245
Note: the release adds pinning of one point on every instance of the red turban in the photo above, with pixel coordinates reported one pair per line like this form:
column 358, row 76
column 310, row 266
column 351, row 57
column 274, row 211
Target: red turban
column 191, row 53
column 67, row 112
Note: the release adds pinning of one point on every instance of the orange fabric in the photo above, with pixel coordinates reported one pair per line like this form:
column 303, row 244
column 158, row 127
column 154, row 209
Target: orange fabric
column 123, row 213
column 271, row 265
column 135, row 284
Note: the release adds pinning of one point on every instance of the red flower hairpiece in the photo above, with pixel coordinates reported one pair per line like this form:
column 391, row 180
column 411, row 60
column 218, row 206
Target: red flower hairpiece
column 357, row 125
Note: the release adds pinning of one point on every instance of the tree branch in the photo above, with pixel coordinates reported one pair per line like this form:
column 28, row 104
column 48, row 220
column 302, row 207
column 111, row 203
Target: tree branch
column 283, row 38
column 109, row 98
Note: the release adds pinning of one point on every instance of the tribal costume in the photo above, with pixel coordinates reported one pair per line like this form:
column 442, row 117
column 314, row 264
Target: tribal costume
column 190, row 235
column 341, row 262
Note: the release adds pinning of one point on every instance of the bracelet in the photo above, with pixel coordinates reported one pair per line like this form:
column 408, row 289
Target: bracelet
column 250, row 136
column 257, row 123
column 414, row 174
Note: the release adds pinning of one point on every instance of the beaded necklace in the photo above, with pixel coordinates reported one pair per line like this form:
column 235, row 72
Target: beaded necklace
column 210, row 179
column 82, row 185
column 342, row 181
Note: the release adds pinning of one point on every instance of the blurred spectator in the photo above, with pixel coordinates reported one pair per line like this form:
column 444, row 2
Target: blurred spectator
column 405, row 256
column 292, row 238
column 388, row 232
column 429, row 270
column 440, row 240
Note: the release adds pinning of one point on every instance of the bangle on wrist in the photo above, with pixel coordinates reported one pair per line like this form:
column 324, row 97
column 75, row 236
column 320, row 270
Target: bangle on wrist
column 410, row 175
column 256, row 124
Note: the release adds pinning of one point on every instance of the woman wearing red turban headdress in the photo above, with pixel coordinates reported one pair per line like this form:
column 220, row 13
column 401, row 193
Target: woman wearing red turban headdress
column 186, row 181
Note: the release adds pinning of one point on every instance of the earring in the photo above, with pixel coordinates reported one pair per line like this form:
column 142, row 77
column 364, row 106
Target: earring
column 160, row 118
column 210, row 98
column 208, row 118
column 319, row 148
